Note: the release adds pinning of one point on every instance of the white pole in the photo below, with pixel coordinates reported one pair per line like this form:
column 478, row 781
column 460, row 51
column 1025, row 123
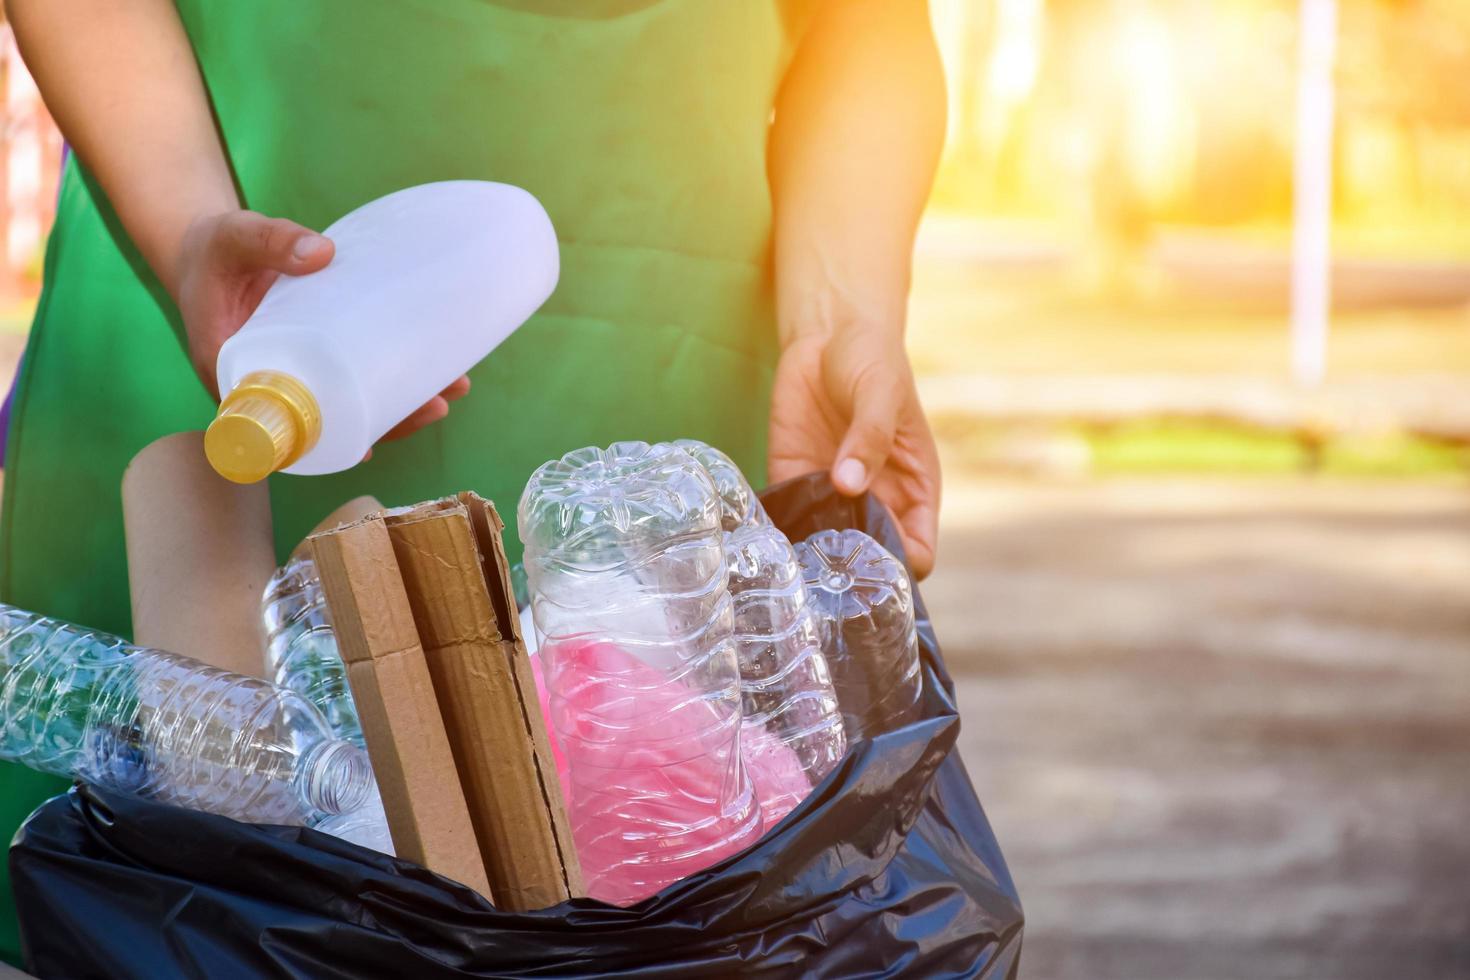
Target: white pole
column 1311, row 285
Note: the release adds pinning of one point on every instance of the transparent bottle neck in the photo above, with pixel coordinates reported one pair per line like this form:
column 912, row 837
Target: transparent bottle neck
column 334, row 777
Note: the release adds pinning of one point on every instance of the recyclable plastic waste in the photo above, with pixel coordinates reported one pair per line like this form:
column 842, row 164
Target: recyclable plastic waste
column 790, row 706
column 301, row 646
column 83, row 704
column 864, row 601
column 522, row 591
column 367, row 826
column 302, row 656
column 626, row 567
column 887, row 869
column 773, row 767
column 324, row 366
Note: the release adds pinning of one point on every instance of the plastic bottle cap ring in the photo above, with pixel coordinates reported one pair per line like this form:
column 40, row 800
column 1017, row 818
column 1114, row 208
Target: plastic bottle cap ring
column 265, row 424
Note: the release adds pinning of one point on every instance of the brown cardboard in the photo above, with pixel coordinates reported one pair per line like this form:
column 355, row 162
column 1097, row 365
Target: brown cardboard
column 454, row 569
column 200, row 551
column 351, row 512
column 427, row 813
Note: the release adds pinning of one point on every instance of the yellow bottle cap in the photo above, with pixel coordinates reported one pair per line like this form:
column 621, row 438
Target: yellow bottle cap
column 269, row 421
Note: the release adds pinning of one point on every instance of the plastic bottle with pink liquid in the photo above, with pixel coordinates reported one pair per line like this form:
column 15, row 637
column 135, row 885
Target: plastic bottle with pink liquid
column 625, row 562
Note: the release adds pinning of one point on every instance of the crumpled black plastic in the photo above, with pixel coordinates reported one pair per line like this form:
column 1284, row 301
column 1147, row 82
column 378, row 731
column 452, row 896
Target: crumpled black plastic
column 888, row 869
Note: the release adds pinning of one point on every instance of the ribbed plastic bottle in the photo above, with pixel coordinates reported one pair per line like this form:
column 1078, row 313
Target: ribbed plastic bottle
column 627, row 574
column 301, row 646
column 864, row 602
column 789, row 702
column 78, row 703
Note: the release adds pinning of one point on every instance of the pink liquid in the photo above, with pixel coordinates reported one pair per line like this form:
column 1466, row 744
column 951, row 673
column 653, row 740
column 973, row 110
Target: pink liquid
column 657, row 784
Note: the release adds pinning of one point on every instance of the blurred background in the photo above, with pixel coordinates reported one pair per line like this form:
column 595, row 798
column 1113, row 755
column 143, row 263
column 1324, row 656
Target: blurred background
column 1191, row 313
column 1204, row 579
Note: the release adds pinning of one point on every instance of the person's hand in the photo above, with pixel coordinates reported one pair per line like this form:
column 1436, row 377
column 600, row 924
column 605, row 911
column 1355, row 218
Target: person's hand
column 227, row 262
column 846, row 402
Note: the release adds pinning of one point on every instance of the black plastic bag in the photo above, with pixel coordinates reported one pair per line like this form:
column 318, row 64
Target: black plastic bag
column 888, row 869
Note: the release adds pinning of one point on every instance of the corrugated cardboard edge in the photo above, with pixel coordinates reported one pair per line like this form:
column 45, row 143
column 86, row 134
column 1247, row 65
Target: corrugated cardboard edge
column 428, row 816
column 355, row 510
column 483, row 682
column 489, row 534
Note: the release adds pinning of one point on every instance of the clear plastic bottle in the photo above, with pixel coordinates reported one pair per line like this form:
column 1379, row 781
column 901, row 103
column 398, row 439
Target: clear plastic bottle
column 865, row 604
column 522, row 590
column 789, row 701
column 367, row 826
column 302, row 656
column 301, row 646
column 739, row 506
column 83, row 704
column 628, row 581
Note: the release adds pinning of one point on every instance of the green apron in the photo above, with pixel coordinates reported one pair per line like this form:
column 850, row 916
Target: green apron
column 639, row 124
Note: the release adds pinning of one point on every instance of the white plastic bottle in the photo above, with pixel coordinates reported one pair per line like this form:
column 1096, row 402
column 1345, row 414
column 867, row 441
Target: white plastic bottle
column 424, row 284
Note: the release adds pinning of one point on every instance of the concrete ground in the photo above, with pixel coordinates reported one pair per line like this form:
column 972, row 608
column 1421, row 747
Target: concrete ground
column 1221, row 728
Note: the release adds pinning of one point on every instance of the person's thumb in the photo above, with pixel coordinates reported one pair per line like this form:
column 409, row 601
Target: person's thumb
column 255, row 241
column 869, row 440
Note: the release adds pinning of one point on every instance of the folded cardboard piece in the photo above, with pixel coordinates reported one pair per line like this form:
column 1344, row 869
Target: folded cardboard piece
column 454, row 567
column 200, row 551
column 351, row 512
column 427, row 815
column 445, row 564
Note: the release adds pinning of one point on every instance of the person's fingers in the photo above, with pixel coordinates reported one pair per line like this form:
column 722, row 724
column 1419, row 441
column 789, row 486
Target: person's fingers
column 431, row 411
column 921, row 522
column 257, row 242
column 869, row 439
column 457, row 389
column 801, row 437
column 920, row 532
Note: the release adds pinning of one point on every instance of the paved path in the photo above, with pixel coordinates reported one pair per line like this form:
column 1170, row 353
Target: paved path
column 1222, row 729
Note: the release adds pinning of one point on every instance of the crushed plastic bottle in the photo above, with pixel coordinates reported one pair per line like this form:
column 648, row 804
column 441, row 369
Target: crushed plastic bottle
column 627, row 574
column 301, row 646
column 789, row 702
column 739, row 506
column 864, row 600
column 78, row 703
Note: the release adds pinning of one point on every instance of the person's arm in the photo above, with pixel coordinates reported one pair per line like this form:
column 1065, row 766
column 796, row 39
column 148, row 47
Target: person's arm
column 121, row 81
column 858, row 129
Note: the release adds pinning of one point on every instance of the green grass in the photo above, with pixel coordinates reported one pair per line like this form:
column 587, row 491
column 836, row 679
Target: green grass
column 1161, row 446
column 1168, row 447
column 1157, row 446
